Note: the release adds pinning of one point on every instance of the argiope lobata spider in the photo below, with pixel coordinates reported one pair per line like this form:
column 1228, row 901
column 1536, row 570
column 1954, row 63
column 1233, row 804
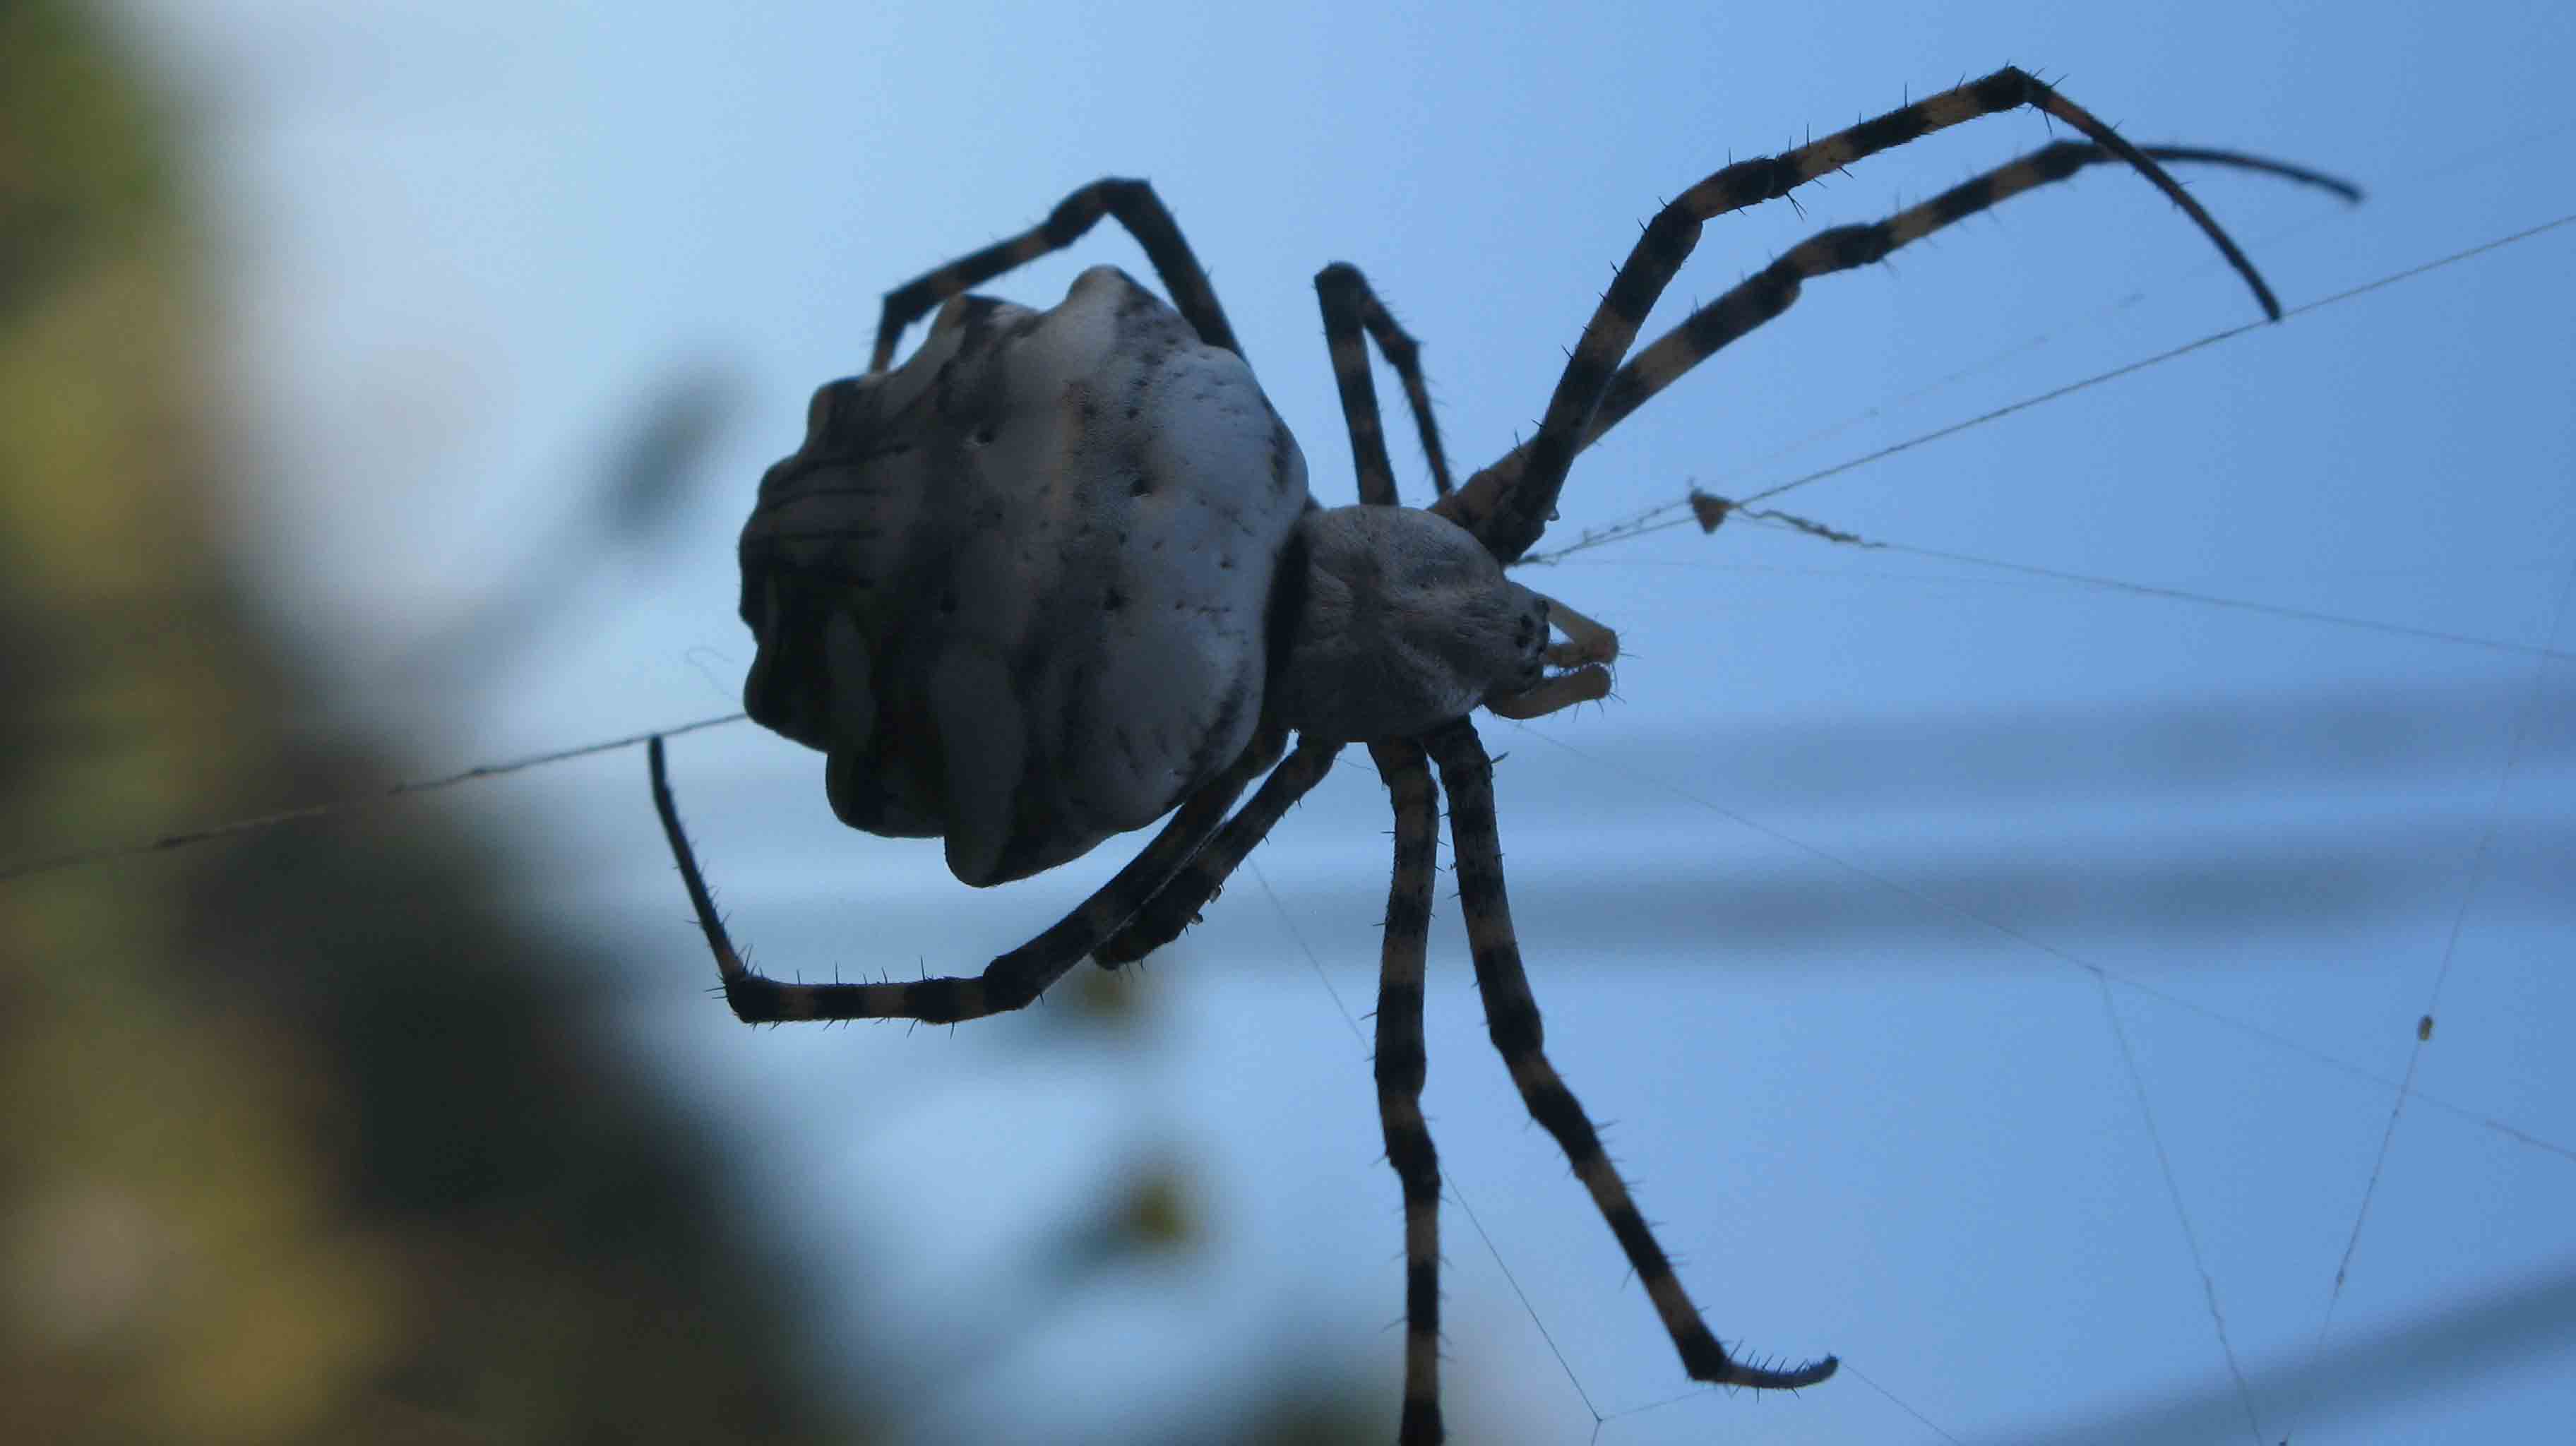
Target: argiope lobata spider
column 1058, row 575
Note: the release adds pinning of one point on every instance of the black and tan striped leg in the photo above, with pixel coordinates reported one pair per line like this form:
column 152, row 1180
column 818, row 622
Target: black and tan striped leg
column 1768, row 292
column 1135, row 206
column 1401, row 1065
column 1507, row 513
column 1349, row 307
column 1176, row 905
column 1512, row 1018
column 1010, row 981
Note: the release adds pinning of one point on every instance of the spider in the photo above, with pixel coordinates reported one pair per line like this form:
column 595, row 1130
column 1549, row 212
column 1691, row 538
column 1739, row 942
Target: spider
column 1058, row 576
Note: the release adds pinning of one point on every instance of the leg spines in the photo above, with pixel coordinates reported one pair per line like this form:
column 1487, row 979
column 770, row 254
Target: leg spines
column 1512, row 1017
column 1508, row 509
column 1159, row 920
column 1408, row 915
column 1770, row 291
column 1135, row 206
column 2139, row 161
column 1903, row 124
column 1405, row 355
column 1010, row 981
column 758, row 1000
column 1660, row 252
column 1343, row 295
column 1350, row 307
column 1400, row 1070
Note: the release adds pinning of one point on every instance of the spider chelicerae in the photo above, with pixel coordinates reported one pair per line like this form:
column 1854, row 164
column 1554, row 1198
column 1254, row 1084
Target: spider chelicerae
column 1058, row 576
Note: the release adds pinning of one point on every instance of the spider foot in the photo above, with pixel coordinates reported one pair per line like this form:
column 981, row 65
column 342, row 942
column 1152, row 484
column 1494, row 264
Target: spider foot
column 1706, row 1360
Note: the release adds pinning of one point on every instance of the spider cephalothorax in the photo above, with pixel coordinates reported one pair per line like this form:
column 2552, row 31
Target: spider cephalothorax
column 1396, row 620
column 1058, row 576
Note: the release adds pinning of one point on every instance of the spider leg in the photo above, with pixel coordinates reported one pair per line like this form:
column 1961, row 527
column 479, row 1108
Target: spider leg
column 1508, row 513
column 1349, row 305
column 1010, row 981
column 1401, row 1064
column 1511, row 1016
column 1136, row 207
column 1175, row 906
column 1769, row 292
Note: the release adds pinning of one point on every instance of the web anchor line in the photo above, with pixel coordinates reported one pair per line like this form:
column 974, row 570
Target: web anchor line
column 1676, row 513
column 257, row 823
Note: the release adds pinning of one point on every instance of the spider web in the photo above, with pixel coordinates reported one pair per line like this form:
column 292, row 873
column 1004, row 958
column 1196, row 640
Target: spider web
column 1324, row 903
column 2121, row 993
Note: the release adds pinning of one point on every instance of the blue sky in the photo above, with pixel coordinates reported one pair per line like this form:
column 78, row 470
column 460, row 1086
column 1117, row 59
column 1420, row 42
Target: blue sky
column 1816, row 907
